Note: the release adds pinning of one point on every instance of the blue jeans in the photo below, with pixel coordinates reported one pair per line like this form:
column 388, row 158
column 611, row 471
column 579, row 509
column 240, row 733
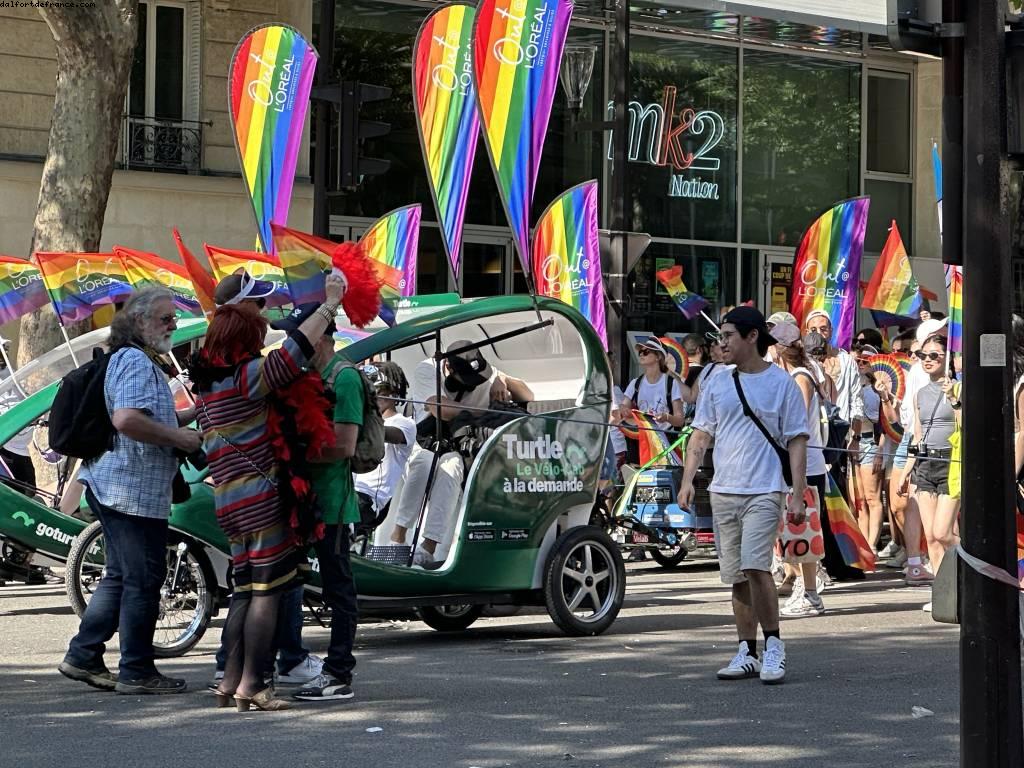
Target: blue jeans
column 287, row 635
column 339, row 594
column 127, row 600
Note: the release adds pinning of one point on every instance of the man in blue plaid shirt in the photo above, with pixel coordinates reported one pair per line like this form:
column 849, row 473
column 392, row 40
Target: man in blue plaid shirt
column 129, row 490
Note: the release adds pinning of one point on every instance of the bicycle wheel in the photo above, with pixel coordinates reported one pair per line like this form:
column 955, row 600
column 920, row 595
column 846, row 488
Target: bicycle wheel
column 186, row 598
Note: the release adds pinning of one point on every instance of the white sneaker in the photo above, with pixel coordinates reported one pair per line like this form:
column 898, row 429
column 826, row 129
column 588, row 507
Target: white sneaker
column 773, row 667
column 889, row 550
column 823, row 581
column 898, row 559
column 303, row 672
column 742, row 665
column 808, row 605
column 797, row 594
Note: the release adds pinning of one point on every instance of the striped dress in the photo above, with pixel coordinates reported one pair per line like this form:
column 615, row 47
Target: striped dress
column 246, row 499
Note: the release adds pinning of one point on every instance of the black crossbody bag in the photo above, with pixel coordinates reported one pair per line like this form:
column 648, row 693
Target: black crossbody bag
column 782, row 453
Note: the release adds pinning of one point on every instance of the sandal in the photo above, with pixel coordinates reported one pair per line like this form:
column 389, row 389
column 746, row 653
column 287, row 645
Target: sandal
column 264, row 701
column 223, row 699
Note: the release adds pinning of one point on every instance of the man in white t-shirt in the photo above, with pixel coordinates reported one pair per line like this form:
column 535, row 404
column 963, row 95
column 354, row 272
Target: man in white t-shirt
column 468, row 384
column 375, row 488
column 748, row 489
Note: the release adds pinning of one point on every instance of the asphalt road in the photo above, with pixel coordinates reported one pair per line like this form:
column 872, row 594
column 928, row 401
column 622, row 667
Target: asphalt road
column 515, row 692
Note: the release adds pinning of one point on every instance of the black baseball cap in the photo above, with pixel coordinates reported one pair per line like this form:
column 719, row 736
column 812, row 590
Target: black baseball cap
column 749, row 317
column 298, row 316
column 468, row 366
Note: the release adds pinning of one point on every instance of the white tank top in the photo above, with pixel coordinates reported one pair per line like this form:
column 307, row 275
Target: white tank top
column 815, row 455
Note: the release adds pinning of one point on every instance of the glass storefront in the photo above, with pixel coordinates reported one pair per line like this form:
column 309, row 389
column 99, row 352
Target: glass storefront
column 740, row 131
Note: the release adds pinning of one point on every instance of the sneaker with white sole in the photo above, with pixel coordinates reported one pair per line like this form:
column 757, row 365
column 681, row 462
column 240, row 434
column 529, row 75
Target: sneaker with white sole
column 927, row 607
column 743, row 665
column 918, row 575
column 898, row 560
column 889, row 550
column 325, row 687
column 303, row 672
column 773, row 665
column 822, row 581
column 808, row 605
column 797, row 593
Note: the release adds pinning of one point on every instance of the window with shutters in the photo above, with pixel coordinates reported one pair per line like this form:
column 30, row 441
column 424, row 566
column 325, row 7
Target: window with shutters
column 161, row 125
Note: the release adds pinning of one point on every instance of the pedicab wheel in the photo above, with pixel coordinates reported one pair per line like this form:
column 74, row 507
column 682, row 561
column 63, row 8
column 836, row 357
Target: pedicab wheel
column 669, row 558
column 584, row 581
column 186, row 597
column 449, row 618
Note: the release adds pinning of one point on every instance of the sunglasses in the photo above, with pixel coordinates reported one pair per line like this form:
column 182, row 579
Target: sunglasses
column 933, row 356
column 644, row 351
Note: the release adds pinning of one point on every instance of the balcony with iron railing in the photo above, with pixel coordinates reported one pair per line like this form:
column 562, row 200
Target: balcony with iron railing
column 153, row 144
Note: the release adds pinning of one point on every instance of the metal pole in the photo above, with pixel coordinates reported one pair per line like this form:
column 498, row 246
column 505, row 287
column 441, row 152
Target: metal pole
column 952, row 137
column 990, row 675
column 322, row 157
column 621, row 207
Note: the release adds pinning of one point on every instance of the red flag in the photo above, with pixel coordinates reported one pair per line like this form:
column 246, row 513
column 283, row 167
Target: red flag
column 201, row 279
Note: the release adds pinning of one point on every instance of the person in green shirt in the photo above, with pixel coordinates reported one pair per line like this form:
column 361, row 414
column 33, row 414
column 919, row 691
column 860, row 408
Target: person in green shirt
column 332, row 481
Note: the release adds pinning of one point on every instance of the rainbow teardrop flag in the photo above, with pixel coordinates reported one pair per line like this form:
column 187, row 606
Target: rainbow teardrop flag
column 653, row 441
column 446, row 116
column 689, row 303
column 21, row 288
column 225, row 261
column 955, row 294
column 826, row 270
column 892, row 288
column 517, row 52
column 80, row 283
column 567, row 255
column 391, row 243
column 305, row 259
column 269, row 79
column 854, row 547
column 143, row 268
column 203, row 283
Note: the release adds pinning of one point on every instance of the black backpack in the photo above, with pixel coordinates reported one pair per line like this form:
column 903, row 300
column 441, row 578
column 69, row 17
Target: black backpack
column 79, row 422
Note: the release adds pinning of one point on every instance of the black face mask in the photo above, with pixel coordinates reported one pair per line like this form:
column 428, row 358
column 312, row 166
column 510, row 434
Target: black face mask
column 454, row 384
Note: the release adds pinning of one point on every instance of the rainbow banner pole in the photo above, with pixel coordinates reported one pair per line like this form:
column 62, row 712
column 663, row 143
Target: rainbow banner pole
column 269, row 80
column 446, row 117
column 517, row 53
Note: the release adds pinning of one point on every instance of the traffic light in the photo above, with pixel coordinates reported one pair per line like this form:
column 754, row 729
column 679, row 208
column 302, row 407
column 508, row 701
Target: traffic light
column 349, row 97
column 915, row 25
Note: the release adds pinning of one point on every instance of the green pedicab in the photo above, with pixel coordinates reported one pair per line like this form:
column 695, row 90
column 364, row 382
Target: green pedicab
column 521, row 536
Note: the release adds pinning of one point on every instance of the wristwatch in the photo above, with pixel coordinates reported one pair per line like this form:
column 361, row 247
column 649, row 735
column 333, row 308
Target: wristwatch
column 955, row 405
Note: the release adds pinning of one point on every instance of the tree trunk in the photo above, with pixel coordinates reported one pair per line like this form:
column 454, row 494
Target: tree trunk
column 94, row 57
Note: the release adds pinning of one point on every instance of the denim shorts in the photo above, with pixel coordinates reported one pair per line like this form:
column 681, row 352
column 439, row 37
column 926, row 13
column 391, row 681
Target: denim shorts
column 932, row 476
column 900, row 459
column 868, row 451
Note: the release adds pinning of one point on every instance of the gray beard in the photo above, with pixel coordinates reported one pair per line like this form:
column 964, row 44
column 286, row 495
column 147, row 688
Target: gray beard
column 163, row 346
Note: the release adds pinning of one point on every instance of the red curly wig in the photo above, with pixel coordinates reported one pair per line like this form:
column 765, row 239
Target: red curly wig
column 235, row 335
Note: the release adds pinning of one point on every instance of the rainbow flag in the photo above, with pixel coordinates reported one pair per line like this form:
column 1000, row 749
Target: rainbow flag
column 826, row 270
column 445, row 104
column 892, row 288
column 269, row 78
column 205, row 286
column 955, row 292
column 567, row 256
column 79, row 283
column 517, row 52
column 260, row 266
column 689, row 303
column 305, row 259
column 143, row 268
column 345, row 337
column 21, row 289
column 854, row 547
column 393, row 241
column 653, row 441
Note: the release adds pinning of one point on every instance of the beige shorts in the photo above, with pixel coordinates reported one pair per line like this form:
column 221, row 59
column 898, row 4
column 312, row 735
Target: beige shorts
column 745, row 531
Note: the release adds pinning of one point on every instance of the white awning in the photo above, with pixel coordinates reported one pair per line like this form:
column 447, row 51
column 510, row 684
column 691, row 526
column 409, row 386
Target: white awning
column 855, row 15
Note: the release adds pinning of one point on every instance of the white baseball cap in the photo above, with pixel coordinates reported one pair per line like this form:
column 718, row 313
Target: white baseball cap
column 930, row 327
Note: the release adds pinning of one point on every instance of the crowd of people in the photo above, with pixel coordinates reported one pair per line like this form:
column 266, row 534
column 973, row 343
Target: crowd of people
column 768, row 398
column 279, row 431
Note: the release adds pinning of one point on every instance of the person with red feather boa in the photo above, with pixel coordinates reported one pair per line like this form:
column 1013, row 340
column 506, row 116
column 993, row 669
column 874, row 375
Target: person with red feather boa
column 248, row 408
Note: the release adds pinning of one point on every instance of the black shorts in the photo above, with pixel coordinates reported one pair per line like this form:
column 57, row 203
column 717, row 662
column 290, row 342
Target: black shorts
column 932, row 476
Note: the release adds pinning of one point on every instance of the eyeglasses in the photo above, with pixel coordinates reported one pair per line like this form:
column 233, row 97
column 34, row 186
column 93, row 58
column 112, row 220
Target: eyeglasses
column 167, row 319
column 933, row 356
